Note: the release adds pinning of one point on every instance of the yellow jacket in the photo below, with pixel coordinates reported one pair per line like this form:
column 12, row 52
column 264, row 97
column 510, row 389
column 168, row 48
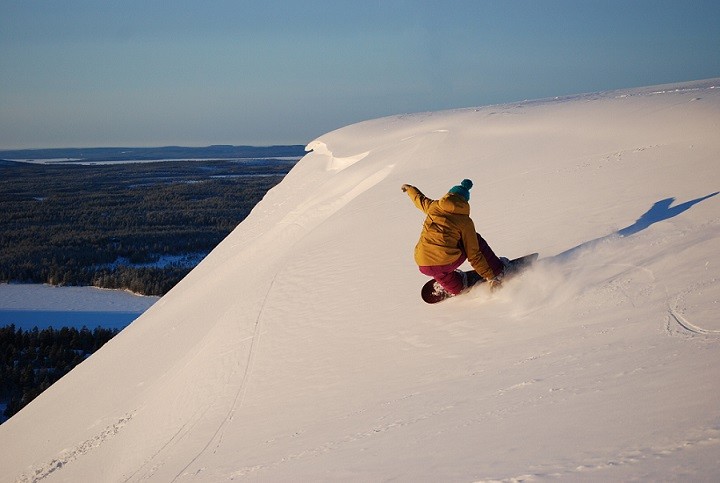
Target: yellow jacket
column 448, row 233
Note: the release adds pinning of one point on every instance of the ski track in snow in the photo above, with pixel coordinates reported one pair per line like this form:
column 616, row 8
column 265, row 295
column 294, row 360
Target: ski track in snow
column 240, row 394
column 68, row 456
column 687, row 325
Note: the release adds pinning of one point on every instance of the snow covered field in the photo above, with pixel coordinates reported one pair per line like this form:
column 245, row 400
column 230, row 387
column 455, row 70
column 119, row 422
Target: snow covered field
column 299, row 349
column 42, row 306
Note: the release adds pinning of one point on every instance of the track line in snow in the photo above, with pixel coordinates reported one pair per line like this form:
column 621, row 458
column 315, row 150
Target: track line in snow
column 689, row 326
column 240, row 394
column 676, row 310
column 186, row 428
column 68, row 456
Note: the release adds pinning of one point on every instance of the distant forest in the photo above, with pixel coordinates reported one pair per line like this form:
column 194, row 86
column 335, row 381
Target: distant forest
column 107, row 224
column 32, row 360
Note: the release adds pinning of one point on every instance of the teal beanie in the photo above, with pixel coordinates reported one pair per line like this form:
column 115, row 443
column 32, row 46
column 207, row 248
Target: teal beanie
column 463, row 189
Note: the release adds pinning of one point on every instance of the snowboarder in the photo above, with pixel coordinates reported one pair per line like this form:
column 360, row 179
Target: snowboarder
column 449, row 238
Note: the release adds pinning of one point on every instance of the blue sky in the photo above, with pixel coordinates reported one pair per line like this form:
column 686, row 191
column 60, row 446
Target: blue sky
column 151, row 73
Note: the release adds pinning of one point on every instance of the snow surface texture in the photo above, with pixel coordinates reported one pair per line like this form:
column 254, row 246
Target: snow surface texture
column 300, row 350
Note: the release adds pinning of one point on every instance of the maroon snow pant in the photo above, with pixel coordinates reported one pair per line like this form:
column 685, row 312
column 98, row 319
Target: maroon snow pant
column 451, row 280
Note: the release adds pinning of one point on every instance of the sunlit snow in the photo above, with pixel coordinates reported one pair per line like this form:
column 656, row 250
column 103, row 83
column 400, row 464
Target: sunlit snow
column 300, row 350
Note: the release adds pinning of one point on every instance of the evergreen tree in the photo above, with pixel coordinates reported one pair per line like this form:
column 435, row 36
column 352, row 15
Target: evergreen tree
column 33, row 360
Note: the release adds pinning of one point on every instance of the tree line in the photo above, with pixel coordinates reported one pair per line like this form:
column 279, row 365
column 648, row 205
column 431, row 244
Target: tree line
column 32, row 360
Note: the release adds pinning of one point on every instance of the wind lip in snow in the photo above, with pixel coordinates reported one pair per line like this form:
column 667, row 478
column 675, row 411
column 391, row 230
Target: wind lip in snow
column 335, row 163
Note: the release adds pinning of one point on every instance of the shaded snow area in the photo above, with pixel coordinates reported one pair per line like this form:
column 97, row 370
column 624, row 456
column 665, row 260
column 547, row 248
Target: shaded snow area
column 300, row 350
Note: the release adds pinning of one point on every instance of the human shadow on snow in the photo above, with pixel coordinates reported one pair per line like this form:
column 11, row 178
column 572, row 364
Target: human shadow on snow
column 660, row 211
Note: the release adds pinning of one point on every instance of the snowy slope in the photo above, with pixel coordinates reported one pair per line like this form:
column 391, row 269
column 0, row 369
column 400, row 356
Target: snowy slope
column 299, row 349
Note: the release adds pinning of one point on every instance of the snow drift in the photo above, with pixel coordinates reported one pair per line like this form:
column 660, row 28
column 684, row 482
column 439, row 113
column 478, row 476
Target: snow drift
column 299, row 349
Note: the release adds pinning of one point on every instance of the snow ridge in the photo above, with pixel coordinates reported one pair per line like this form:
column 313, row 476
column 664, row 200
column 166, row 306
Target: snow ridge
column 299, row 349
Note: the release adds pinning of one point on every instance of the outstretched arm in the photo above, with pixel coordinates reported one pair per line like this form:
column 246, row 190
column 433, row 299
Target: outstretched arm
column 420, row 200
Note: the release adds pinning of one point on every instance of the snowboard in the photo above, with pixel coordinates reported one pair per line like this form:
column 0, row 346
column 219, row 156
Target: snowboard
column 432, row 292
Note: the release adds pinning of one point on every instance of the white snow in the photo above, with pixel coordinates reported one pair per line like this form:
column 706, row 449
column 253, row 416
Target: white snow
column 300, row 350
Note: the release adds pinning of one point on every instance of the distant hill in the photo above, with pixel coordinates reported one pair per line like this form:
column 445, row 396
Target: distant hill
column 149, row 154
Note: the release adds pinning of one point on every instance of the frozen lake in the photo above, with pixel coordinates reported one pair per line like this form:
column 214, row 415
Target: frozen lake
column 30, row 305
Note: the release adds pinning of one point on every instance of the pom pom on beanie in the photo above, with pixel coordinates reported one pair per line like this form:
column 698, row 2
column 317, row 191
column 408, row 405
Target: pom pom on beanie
column 463, row 189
